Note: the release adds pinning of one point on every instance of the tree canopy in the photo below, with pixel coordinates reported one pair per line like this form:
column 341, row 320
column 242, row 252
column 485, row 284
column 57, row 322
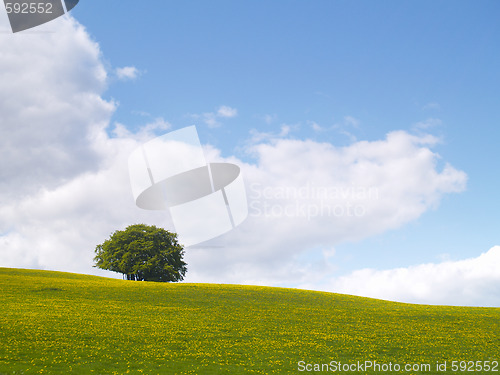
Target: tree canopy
column 142, row 252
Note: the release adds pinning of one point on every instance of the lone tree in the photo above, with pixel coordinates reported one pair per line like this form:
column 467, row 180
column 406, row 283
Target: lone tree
column 142, row 252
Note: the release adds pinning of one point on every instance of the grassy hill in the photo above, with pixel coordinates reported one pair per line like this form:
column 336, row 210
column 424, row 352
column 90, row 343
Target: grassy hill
column 59, row 323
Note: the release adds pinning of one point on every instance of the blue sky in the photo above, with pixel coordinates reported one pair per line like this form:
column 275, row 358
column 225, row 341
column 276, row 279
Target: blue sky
column 335, row 72
column 388, row 64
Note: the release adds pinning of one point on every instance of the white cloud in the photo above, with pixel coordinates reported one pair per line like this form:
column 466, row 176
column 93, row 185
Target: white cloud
column 351, row 121
column 51, row 107
column 145, row 132
column 345, row 127
column 469, row 282
column 212, row 118
column 315, row 126
column 427, row 124
column 127, row 73
column 65, row 185
column 305, row 197
column 269, row 118
column 258, row 137
column 227, row 112
column 59, row 228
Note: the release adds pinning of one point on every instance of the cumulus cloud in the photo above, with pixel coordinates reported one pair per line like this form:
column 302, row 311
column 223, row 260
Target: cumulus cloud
column 257, row 136
column 51, row 107
column 305, row 197
column 212, row 118
column 269, row 118
column 127, row 73
column 315, row 126
column 351, row 121
column 227, row 112
column 58, row 228
column 65, row 187
column 347, row 126
column 63, row 181
column 146, row 131
column 469, row 282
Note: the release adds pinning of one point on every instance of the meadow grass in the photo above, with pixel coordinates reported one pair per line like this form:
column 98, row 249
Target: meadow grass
column 59, row 323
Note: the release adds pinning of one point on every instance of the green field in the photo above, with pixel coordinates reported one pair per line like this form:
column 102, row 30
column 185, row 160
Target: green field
column 59, row 323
